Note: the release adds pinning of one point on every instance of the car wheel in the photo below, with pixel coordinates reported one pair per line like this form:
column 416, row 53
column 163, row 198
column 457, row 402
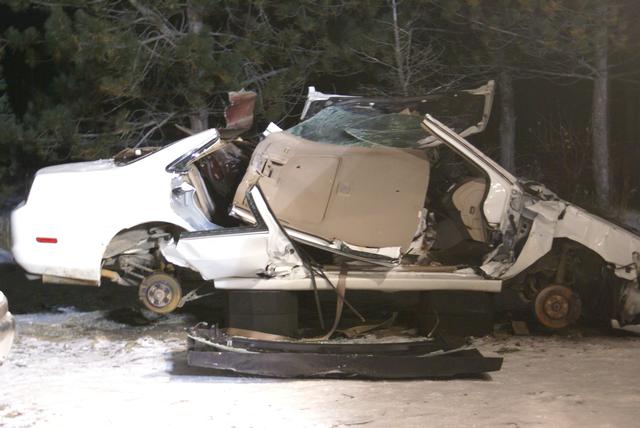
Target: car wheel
column 556, row 307
column 160, row 293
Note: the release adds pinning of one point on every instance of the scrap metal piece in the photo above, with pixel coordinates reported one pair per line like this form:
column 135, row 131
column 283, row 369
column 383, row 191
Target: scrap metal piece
column 286, row 365
column 426, row 358
column 239, row 114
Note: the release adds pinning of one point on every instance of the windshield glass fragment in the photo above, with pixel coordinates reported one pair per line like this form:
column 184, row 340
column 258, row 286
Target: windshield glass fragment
column 358, row 126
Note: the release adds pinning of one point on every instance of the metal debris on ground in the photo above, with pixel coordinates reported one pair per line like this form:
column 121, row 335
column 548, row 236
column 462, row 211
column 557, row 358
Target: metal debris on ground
column 281, row 357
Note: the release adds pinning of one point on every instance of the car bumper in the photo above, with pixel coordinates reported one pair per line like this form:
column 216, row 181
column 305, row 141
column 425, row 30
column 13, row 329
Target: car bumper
column 7, row 328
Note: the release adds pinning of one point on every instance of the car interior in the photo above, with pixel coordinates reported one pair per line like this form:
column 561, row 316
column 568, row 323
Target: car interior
column 455, row 198
column 309, row 192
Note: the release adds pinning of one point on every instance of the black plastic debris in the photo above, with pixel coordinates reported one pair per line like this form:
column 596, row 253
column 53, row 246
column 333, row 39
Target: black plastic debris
column 423, row 358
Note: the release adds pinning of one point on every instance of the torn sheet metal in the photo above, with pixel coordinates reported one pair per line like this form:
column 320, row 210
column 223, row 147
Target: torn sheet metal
column 426, row 358
column 385, row 256
column 559, row 219
column 239, row 114
column 466, row 111
column 552, row 217
column 247, row 251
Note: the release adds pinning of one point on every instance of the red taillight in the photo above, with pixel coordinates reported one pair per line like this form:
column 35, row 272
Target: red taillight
column 47, row 240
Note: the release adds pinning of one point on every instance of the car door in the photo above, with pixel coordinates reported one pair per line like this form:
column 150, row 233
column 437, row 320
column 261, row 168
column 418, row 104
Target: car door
column 262, row 249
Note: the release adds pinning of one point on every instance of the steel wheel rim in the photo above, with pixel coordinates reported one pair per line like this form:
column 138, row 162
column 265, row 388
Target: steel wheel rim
column 159, row 294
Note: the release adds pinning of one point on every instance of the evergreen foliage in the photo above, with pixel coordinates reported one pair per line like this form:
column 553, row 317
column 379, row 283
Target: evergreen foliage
column 84, row 78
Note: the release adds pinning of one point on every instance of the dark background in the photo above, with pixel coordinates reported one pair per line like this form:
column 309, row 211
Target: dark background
column 66, row 91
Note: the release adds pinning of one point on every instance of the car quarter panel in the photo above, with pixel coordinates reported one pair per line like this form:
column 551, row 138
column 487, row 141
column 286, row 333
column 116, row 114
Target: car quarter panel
column 83, row 206
column 559, row 219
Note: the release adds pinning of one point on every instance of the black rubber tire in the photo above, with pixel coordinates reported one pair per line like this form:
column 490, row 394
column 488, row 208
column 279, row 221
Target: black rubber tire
column 166, row 283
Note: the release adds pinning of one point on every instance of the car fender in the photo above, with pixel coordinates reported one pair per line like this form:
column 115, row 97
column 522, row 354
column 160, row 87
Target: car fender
column 559, row 219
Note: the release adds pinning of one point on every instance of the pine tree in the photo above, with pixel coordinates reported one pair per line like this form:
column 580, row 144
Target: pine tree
column 134, row 72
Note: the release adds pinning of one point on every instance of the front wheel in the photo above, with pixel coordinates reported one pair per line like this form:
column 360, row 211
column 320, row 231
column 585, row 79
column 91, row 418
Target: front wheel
column 160, row 293
column 557, row 307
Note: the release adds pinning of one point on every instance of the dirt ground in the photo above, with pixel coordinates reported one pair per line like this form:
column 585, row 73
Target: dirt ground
column 100, row 364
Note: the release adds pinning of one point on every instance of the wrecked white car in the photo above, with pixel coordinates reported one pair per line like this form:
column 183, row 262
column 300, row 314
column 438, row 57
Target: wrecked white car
column 376, row 194
column 7, row 328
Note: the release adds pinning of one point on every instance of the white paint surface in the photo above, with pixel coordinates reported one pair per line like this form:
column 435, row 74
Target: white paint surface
column 391, row 280
column 84, row 205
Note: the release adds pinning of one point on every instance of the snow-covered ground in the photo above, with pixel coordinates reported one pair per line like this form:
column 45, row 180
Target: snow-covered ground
column 81, row 369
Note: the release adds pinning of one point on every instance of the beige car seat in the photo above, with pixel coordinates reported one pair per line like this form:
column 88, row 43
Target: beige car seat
column 467, row 199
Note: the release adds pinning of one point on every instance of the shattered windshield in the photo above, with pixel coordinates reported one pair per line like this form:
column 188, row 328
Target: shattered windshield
column 361, row 126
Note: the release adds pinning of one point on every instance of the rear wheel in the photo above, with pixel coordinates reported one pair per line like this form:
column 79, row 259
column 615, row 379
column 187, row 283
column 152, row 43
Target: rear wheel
column 160, row 293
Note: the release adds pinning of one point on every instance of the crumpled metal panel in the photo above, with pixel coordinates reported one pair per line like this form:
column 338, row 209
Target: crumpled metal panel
column 421, row 358
column 239, row 114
